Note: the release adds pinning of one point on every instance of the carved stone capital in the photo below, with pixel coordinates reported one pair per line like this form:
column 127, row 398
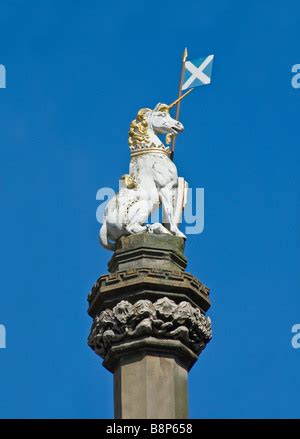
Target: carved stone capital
column 147, row 283
column 161, row 320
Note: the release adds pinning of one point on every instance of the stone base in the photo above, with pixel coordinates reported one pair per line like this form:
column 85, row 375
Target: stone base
column 148, row 250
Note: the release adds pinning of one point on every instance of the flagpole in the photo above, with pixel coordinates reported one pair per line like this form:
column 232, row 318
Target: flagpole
column 184, row 57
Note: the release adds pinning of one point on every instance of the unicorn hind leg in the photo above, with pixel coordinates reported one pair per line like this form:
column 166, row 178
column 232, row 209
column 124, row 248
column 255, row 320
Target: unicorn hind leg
column 137, row 216
column 158, row 229
column 136, row 228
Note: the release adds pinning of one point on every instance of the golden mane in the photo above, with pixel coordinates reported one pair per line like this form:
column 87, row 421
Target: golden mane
column 138, row 130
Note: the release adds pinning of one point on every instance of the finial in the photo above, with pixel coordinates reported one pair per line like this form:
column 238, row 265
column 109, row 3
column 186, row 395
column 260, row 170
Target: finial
column 185, row 54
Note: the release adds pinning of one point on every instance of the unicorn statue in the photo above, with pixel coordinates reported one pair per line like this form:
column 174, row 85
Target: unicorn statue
column 152, row 181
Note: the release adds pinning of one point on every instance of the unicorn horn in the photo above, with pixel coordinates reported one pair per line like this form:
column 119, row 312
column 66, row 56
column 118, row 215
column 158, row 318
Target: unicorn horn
column 180, row 98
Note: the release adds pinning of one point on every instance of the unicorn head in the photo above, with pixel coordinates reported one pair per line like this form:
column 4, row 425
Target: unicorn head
column 162, row 123
column 148, row 124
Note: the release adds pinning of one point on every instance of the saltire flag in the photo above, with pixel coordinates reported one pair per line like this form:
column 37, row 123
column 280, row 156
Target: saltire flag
column 197, row 72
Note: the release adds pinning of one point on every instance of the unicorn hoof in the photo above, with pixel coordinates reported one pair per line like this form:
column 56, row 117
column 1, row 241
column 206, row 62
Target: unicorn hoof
column 180, row 234
column 158, row 229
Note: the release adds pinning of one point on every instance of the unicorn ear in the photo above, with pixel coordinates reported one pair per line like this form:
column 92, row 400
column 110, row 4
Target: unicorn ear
column 142, row 113
column 161, row 107
column 156, row 108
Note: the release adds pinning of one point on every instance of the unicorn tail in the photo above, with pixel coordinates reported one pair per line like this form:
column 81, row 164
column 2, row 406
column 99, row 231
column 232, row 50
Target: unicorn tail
column 104, row 238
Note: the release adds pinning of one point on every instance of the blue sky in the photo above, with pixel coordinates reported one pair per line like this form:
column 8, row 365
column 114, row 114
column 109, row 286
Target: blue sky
column 77, row 72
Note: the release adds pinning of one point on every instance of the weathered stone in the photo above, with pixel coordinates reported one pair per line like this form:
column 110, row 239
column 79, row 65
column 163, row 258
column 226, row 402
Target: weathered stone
column 149, row 346
column 147, row 283
column 147, row 250
column 163, row 319
column 149, row 325
column 157, row 384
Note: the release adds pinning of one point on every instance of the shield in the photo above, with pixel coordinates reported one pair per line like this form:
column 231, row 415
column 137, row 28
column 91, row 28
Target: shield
column 181, row 199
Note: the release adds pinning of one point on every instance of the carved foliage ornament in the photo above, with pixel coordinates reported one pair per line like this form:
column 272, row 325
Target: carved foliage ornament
column 161, row 319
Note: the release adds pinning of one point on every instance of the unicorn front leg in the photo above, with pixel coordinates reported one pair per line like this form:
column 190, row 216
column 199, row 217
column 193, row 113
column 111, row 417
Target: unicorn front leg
column 167, row 194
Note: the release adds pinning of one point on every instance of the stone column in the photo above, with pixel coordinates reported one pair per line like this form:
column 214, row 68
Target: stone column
column 149, row 326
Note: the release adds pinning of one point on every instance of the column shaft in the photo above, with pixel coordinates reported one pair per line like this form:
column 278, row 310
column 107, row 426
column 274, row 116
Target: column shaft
column 151, row 387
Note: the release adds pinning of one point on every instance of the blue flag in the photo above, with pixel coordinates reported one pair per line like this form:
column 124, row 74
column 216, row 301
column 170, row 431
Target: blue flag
column 197, row 72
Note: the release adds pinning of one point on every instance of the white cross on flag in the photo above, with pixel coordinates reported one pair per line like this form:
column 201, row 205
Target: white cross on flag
column 197, row 72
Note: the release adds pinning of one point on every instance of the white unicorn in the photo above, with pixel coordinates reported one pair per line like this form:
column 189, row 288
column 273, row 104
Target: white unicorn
column 152, row 181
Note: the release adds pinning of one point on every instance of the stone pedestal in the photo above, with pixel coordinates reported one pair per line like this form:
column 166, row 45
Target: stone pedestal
column 149, row 325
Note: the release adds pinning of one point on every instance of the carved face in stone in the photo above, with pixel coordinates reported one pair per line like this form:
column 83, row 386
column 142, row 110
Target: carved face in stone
column 184, row 312
column 106, row 317
column 165, row 307
column 122, row 311
column 161, row 122
column 143, row 308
